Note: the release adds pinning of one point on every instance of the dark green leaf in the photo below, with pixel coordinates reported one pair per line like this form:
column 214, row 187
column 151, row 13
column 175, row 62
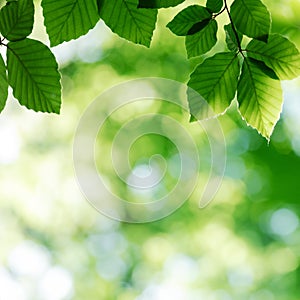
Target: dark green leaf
column 189, row 20
column 214, row 5
column 158, row 3
column 69, row 19
column 33, row 75
column 252, row 18
column 16, row 19
column 124, row 18
column 202, row 41
column 231, row 39
column 216, row 81
column 3, row 84
column 259, row 96
column 279, row 53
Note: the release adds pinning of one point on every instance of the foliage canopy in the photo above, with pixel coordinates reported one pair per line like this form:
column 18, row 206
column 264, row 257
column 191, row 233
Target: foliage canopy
column 251, row 72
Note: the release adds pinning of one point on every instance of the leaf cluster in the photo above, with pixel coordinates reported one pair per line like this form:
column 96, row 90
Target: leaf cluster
column 251, row 73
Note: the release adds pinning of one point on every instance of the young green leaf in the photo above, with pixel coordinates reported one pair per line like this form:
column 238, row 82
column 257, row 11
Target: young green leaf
column 33, row 75
column 216, row 81
column 214, row 5
column 252, row 18
column 158, row 3
column 124, row 18
column 16, row 19
column 69, row 19
column 231, row 39
column 279, row 54
column 186, row 20
column 202, row 41
column 3, row 84
column 259, row 96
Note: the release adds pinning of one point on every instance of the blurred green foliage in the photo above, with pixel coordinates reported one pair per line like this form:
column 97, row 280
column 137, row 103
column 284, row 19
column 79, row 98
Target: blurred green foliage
column 54, row 245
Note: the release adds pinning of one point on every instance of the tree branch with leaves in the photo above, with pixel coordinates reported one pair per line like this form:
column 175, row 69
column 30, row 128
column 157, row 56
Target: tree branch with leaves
column 250, row 74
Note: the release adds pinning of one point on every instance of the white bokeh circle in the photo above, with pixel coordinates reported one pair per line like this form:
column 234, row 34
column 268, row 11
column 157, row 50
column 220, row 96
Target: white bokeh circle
column 89, row 178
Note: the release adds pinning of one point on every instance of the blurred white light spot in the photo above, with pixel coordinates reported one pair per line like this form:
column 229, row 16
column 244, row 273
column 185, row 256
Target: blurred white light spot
column 240, row 278
column 87, row 48
column 296, row 144
column 111, row 267
column 189, row 269
column 291, row 111
column 150, row 174
column 56, row 284
column 284, row 222
column 221, row 295
column 29, row 259
column 142, row 171
column 163, row 292
column 9, row 288
column 10, row 143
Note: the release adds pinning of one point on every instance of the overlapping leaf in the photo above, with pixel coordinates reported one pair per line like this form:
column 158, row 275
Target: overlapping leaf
column 190, row 20
column 279, row 54
column 216, row 81
column 132, row 23
column 69, row 19
column 252, row 18
column 158, row 3
column 16, row 19
column 3, row 84
column 214, row 5
column 33, row 75
column 202, row 41
column 232, row 40
column 259, row 96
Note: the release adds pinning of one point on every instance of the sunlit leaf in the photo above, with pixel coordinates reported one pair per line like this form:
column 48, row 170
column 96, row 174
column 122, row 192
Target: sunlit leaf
column 69, row 19
column 252, row 18
column 259, row 96
column 216, row 81
column 16, row 19
column 185, row 21
column 132, row 23
column 202, row 41
column 279, row 54
column 33, row 75
column 3, row 84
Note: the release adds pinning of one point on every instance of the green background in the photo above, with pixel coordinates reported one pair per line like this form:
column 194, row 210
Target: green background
column 54, row 245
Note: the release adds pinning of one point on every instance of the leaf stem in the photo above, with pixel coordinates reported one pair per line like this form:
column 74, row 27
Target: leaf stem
column 234, row 29
column 217, row 14
column 2, row 39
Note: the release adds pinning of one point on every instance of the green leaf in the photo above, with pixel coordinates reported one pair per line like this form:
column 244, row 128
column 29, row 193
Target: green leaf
column 16, row 19
column 189, row 18
column 252, row 18
column 202, row 41
column 3, row 84
column 216, row 81
column 259, row 96
column 124, row 18
column 33, row 75
column 279, row 54
column 214, row 5
column 158, row 3
column 231, row 39
column 69, row 19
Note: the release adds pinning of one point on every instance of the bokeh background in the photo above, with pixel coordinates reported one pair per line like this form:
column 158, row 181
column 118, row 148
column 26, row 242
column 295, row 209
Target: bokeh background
column 55, row 246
